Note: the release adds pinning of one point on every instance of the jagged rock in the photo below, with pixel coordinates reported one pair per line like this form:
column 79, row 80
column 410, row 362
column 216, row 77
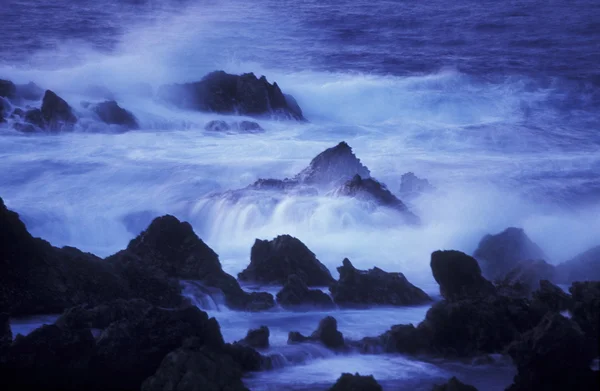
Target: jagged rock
column 295, row 294
column 584, row 267
column 371, row 190
column 334, row 167
column 274, row 261
column 193, row 367
column 553, row 356
column 232, row 94
column 406, row 339
column 257, row 338
column 29, row 91
column 7, row 89
column 499, row 254
column 57, row 113
column 349, row 382
column 374, row 287
column 454, row 385
column 327, row 334
column 111, row 113
column 172, row 247
column 525, row 277
column 102, row 316
column 412, row 186
column 586, row 310
column 459, row 276
column 550, row 298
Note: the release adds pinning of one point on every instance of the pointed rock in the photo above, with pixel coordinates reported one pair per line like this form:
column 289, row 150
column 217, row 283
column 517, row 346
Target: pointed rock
column 111, row 113
column 57, row 113
column 454, row 385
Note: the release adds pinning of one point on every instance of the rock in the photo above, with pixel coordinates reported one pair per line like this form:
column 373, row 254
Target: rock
column 34, row 117
column 111, row 113
column 584, row 267
column 349, row 382
column 274, row 261
column 412, row 186
column 374, row 287
column 102, row 316
column 295, row 294
column 29, row 91
column 550, row 298
column 193, row 367
column 5, row 336
column 553, row 356
column 333, row 167
column 57, row 113
column 499, row 254
column 17, row 113
column 327, row 334
column 370, row 189
column 526, row 276
column 4, row 109
column 405, row 339
column 172, row 247
column 249, row 127
column 586, row 310
column 242, row 126
column 232, row 94
column 459, row 276
column 217, row 126
column 296, row 337
column 257, row 338
column 7, row 89
column 454, row 385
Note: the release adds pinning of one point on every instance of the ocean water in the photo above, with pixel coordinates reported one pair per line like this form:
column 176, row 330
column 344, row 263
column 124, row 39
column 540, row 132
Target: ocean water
column 496, row 103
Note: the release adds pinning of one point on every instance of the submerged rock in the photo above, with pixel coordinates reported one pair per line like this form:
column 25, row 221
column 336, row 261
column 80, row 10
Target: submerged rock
column 57, row 113
column 274, row 261
column 242, row 126
column 111, row 113
column 327, row 334
column 412, row 186
column 349, row 382
column 221, row 92
column 257, row 338
column 584, row 267
column 295, row 294
column 217, row 126
column 454, row 385
column 499, row 254
column 374, row 287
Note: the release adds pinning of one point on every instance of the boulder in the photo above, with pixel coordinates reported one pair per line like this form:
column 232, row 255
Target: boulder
column 454, row 385
column 374, row 287
column 7, row 89
column 371, row 190
column 553, row 356
column 586, row 310
column 111, row 113
column 550, row 298
column 217, row 126
column 584, row 267
column 459, row 276
column 295, row 294
column 349, row 382
column 499, row 254
column 248, row 127
column 274, row 261
column 257, row 338
column 327, row 334
column 412, row 186
column 221, row 92
column 57, row 113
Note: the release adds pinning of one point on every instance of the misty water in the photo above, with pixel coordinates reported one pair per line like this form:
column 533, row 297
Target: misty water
column 496, row 104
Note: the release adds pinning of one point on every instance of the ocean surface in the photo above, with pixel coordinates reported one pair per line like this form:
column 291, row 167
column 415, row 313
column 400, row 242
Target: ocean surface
column 497, row 104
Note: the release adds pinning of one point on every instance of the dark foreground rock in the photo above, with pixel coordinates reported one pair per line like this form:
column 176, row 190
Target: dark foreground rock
column 327, row 334
column 296, row 295
column 111, row 113
column 57, row 113
column 526, row 277
column 257, row 338
column 5, row 335
column 349, row 382
column 221, row 92
column 501, row 253
column 553, row 356
column 550, row 298
column 454, row 385
column 374, row 287
column 586, row 310
column 274, row 261
column 584, row 267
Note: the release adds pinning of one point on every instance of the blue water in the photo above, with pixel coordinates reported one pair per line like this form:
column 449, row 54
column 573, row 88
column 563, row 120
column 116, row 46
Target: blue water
column 496, row 103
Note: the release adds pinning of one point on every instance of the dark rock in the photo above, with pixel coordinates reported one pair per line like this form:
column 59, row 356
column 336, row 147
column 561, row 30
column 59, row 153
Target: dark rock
column 17, row 113
column 586, row 310
column 526, row 276
column 370, row 189
column 296, row 337
column 406, row 339
column 584, row 267
column 499, row 254
column 334, row 166
column 550, row 298
column 34, row 117
column 57, row 113
column 247, row 358
column 553, row 356
column 257, row 338
column 4, row 109
column 5, row 335
column 30, row 91
column 111, row 113
column 104, row 315
column 327, row 334
column 459, row 276
column 349, row 382
column 412, row 186
column 217, row 126
column 232, row 94
column 454, row 385
column 7, row 89
column 273, row 184
column 249, row 127
column 374, row 287
column 24, row 128
column 295, row 294
column 274, row 261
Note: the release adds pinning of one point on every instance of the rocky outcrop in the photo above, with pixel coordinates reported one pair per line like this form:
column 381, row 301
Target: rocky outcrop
column 550, row 298
column 553, row 356
column 274, row 261
column 257, row 338
column 403, row 338
column 349, row 382
column 171, row 247
column 454, row 385
column 239, row 127
column 327, row 334
column 103, row 315
column 374, row 287
column 525, row 277
column 586, row 310
column 56, row 112
column 111, row 113
column 459, row 276
column 296, row 295
column 501, row 253
column 584, row 267
column 224, row 93
column 412, row 186
column 7, row 89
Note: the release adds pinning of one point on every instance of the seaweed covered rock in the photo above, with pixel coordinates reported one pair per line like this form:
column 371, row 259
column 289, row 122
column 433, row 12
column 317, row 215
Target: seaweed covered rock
column 349, row 382
column 257, row 338
column 111, row 113
column 374, row 287
column 499, row 254
column 295, row 294
column 454, row 385
column 274, row 261
column 327, row 334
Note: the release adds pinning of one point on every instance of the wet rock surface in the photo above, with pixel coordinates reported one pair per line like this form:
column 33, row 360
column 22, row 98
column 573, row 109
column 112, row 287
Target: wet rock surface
column 296, row 295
